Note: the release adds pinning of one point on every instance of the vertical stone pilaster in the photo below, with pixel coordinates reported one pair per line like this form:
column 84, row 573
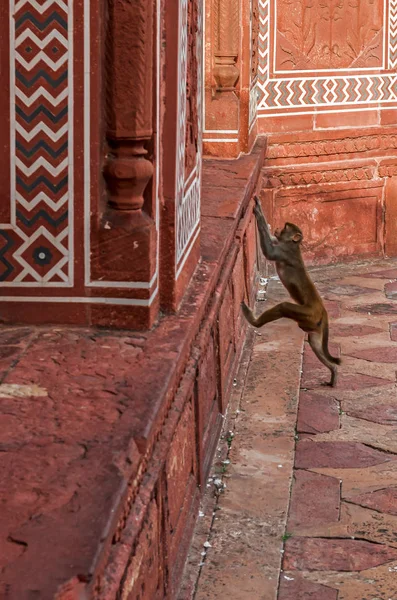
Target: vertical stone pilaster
column 125, row 246
column 228, row 77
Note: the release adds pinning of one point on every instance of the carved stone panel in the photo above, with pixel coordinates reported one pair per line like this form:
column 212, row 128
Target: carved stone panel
column 320, row 54
column 328, row 34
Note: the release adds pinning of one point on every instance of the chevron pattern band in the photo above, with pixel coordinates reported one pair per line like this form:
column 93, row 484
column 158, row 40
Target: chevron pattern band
column 310, row 92
column 35, row 247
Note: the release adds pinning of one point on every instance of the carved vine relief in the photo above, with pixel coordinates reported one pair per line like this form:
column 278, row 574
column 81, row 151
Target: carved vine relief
column 191, row 140
column 329, row 34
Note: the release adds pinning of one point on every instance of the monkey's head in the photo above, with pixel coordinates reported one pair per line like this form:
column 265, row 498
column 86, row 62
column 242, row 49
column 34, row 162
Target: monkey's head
column 289, row 233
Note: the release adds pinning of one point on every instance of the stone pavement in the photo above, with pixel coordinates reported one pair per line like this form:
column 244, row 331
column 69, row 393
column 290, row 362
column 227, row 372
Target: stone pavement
column 305, row 481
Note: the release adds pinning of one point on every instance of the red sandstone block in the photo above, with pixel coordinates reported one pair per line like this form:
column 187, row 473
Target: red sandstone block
column 239, row 286
column 386, row 354
column 388, row 116
column 386, row 274
column 315, row 500
column 226, row 342
column 393, row 332
column 341, row 330
column 385, row 414
column 360, row 382
column 391, row 290
column 180, row 464
column 317, row 414
column 207, row 385
column 287, row 123
column 378, row 308
column 391, row 213
column 360, row 118
column 293, row 587
column 383, row 501
column 338, row 455
column 316, row 554
column 143, row 579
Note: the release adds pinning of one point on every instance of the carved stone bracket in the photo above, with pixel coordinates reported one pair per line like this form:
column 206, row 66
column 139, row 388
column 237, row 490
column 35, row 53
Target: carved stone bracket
column 226, row 44
column 129, row 79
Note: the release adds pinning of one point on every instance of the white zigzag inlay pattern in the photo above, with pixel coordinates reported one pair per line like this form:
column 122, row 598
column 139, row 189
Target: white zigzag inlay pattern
column 37, row 152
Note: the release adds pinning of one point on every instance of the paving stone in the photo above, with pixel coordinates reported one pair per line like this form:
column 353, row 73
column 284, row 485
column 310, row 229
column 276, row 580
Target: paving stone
column 375, row 435
column 315, row 499
column 294, row 587
column 333, row 308
column 387, row 274
column 317, row 414
column 386, row 354
column 317, row 377
column 335, row 289
column 317, row 554
column 384, row 500
column 378, row 583
column 391, row 289
column 359, row 382
column 341, row 330
column 385, row 414
column 345, row 455
column 379, row 308
column 355, row 522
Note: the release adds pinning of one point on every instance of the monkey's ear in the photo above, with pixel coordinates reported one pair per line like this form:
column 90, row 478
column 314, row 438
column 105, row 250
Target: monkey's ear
column 297, row 237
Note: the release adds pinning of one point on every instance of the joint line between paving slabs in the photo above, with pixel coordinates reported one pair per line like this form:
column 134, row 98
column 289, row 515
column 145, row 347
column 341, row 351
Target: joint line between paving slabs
column 293, row 465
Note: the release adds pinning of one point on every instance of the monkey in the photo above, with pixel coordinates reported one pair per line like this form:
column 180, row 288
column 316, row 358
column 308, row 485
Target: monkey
column 309, row 311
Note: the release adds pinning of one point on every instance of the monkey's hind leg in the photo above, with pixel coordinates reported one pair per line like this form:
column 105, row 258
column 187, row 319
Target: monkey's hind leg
column 315, row 341
column 284, row 309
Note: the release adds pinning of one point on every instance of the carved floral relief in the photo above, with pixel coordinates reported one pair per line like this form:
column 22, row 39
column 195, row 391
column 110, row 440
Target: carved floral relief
column 329, row 34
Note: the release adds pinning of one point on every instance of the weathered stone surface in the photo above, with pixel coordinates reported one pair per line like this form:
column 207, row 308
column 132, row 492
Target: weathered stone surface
column 294, row 587
column 378, row 582
column 385, row 414
column 393, row 331
column 380, row 308
column 386, row 354
column 317, row 414
column 341, row 330
column 391, row 290
column 316, row 554
column 359, row 382
column 385, row 274
column 315, row 499
column 346, row 455
column 354, row 522
column 331, row 290
column 384, row 500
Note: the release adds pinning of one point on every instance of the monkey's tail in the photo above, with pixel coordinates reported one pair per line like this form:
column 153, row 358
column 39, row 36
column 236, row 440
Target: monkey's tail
column 333, row 359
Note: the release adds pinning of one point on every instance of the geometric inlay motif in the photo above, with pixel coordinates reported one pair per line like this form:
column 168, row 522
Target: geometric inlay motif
column 35, row 247
column 392, row 34
column 290, row 67
column 188, row 192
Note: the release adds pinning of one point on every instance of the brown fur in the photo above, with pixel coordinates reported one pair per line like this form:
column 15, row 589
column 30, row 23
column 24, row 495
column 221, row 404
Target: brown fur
column 309, row 311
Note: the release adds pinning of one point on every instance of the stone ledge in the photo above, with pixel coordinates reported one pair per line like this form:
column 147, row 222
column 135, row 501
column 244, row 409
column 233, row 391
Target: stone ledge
column 89, row 417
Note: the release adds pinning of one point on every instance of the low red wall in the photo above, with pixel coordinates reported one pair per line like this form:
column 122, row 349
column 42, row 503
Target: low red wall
column 338, row 186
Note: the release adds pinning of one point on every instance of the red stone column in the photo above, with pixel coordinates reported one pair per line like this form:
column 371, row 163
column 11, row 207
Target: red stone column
column 126, row 245
column 228, row 76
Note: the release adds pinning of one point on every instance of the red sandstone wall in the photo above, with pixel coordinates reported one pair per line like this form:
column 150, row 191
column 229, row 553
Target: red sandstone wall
column 152, row 538
column 328, row 104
